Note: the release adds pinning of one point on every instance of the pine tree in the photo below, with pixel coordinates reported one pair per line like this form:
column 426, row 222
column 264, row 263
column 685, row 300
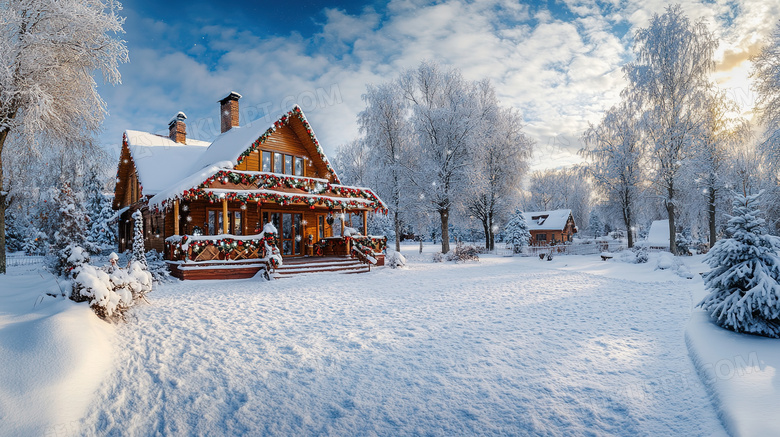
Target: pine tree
column 596, row 226
column 138, row 239
column 101, row 233
column 71, row 229
column 517, row 232
column 744, row 294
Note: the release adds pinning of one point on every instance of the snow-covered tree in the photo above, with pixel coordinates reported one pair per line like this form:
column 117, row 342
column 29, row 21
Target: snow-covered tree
column 516, row 232
column 615, row 150
column 387, row 137
column 71, row 230
column 595, row 225
column 101, row 233
column 564, row 188
column 139, row 253
column 499, row 161
column 744, row 294
column 669, row 78
column 719, row 133
column 49, row 49
column 766, row 81
column 447, row 113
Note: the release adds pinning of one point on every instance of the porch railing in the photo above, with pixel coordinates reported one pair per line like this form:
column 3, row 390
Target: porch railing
column 225, row 247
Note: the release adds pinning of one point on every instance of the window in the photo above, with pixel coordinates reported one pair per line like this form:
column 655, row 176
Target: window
column 321, row 226
column 298, row 166
column 215, row 222
column 278, row 163
column 237, row 223
column 266, row 164
column 541, row 237
column 288, row 164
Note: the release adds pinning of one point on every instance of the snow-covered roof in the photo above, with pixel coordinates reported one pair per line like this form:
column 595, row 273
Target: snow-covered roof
column 160, row 161
column 658, row 234
column 547, row 220
column 228, row 146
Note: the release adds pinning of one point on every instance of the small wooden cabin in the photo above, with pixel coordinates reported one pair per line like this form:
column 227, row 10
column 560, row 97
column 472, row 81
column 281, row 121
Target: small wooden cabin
column 249, row 176
column 550, row 227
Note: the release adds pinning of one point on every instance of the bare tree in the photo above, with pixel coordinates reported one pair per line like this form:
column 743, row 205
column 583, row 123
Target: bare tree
column 615, row 150
column 558, row 189
column 766, row 81
column 49, row 50
column 669, row 78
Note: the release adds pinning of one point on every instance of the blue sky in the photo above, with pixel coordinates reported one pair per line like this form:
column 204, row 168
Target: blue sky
column 558, row 62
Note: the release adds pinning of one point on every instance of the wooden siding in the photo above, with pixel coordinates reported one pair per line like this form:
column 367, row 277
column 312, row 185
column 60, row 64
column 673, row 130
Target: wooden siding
column 127, row 189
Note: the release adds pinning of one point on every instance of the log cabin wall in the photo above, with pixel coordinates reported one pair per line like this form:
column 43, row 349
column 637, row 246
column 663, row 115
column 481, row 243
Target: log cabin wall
column 285, row 140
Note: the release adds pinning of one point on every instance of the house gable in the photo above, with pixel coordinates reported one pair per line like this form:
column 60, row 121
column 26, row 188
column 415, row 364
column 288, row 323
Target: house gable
column 127, row 190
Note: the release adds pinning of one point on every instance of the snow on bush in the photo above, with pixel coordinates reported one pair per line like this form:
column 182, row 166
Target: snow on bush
column 463, row 253
column 641, row 254
column 138, row 237
column 665, row 261
column 437, row 257
column 394, row 259
column 157, row 267
column 67, row 260
column 744, row 294
column 111, row 290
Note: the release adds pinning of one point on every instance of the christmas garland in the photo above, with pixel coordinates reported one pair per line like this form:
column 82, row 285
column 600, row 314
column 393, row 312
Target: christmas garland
column 223, row 245
column 284, row 121
column 271, row 181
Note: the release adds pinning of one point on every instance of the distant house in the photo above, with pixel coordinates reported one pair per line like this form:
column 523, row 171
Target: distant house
column 550, row 227
column 658, row 236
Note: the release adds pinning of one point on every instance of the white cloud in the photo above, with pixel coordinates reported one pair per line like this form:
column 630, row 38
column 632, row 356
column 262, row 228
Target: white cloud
column 560, row 75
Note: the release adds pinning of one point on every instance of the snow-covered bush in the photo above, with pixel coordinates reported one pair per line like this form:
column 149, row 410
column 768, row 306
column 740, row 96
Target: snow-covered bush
column 110, row 290
column 744, row 294
column 67, row 260
column 683, row 243
column 156, row 267
column 437, row 257
column 394, row 259
column 641, row 253
column 35, row 243
column 463, row 253
column 517, row 232
column 665, row 261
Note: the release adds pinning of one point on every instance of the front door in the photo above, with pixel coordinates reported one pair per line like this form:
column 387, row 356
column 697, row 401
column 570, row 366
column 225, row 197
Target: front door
column 290, row 227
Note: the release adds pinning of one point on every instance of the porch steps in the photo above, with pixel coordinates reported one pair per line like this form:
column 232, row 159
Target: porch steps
column 309, row 265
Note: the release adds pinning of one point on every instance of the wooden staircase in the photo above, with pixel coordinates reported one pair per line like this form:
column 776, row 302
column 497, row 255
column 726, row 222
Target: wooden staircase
column 320, row 264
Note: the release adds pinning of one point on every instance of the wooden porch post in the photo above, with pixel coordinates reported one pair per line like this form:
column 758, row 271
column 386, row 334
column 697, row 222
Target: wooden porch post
column 343, row 217
column 365, row 223
column 225, row 220
column 176, row 217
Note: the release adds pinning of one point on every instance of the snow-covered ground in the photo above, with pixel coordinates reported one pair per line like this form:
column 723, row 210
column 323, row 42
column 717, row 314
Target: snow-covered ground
column 508, row 345
column 54, row 355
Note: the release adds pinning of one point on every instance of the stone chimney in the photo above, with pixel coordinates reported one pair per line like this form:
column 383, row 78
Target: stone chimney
column 177, row 130
column 228, row 108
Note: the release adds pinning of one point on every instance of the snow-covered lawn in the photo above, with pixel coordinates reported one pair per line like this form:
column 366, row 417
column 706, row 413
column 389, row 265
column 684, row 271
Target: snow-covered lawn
column 503, row 346
column 508, row 345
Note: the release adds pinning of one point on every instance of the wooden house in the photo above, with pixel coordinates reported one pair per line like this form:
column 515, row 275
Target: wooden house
column 206, row 206
column 550, row 227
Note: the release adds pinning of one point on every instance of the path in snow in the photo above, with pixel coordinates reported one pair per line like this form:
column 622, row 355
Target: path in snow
column 495, row 347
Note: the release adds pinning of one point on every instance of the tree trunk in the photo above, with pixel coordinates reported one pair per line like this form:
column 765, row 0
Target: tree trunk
column 627, row 222
column 672, row 233
column 486, row 228
column 3, row 136
column 711, row 214
column 445, row 230
column 397, row 226
column 492, row 240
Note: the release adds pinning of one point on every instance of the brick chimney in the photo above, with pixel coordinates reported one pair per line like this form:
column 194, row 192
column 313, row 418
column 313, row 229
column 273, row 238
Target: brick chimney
column 228, row 108
column 177, row 130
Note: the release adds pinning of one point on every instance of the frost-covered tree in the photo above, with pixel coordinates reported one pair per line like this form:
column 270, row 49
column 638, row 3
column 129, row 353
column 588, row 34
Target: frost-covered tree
column 669, row 78
column 101, row 233
column 744, row 294
column 139, row 253
column 49, row 50
column 595, row 225
column 564, row 188
column 516, row 232
column 447, row 112
column 719, row 133
column 616, row 153
column 766, row 81
column 387, row 137
column 499, row 161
